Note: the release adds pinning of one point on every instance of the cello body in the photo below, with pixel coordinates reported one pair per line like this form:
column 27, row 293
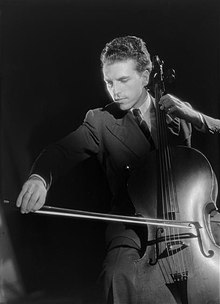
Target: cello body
column 179, row 265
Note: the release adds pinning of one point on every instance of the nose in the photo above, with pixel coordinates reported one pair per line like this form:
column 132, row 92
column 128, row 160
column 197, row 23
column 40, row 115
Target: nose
column 116, row 90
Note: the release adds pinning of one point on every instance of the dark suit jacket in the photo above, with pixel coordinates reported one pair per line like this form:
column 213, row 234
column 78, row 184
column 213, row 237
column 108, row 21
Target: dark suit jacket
column 212, row 125
column 114, row 137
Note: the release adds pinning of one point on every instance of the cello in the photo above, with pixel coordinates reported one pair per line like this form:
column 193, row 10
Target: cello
column 175, row 201
column 176, row 184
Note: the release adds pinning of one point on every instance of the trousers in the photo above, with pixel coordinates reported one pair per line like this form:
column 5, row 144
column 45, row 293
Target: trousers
column 119, row 277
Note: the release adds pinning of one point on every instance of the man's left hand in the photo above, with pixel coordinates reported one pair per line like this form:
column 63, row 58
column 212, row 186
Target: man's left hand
column 174, row 107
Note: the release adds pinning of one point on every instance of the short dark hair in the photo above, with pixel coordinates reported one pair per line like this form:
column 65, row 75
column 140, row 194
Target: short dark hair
column 127, row 47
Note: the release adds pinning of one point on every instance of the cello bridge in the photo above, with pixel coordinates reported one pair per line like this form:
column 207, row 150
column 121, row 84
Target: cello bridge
column 179, row 277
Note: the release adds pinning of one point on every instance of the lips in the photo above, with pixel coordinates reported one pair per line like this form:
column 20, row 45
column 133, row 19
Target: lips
column 119, row 99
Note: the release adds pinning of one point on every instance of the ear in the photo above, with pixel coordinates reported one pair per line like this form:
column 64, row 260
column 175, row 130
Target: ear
column 145, row 77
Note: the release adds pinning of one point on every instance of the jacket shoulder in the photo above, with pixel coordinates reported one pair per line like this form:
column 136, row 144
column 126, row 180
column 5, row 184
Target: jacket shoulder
column 110, row 111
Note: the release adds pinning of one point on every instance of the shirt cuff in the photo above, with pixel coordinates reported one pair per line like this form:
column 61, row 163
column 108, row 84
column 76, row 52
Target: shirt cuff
column 36, row 176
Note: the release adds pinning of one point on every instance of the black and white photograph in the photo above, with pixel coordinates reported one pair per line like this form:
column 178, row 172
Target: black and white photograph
column 109, row 152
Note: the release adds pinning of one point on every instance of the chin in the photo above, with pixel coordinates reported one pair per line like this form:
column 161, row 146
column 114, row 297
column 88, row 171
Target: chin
column 124, row 107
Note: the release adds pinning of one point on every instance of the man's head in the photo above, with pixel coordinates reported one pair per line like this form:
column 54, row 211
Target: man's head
column 126, row 67
column 124, row 48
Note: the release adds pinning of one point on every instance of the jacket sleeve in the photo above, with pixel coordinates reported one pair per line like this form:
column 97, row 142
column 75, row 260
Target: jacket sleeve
column 58, row 158
column 212, row 125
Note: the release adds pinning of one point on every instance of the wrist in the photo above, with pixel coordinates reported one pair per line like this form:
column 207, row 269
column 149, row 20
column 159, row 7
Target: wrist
column 40, row 178
column 199, row 121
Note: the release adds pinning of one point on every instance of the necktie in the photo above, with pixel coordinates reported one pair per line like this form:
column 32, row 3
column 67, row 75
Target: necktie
column 143, row 126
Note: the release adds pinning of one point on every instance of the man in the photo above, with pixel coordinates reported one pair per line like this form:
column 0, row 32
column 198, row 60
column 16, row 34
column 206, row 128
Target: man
column 114, row 136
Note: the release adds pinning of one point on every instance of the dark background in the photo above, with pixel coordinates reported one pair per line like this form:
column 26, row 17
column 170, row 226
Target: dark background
column 50, row 77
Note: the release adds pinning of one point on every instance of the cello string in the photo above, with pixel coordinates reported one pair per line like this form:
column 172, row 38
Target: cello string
column 173, row 207
column 180, row 261
column 184, row 258
column 160, row 195
column 162, row 139
column 168, row 191
column 171, row 261
column 175, row 233
column 170, row 195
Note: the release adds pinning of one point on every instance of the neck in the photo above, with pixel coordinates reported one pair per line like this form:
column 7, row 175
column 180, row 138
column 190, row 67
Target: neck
column 143, row 98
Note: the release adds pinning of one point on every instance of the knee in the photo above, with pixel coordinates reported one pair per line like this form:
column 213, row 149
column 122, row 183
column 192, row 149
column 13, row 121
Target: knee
column 120, row 264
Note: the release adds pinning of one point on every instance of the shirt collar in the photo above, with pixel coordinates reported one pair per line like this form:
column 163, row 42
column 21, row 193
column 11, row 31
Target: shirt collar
column 146, row 104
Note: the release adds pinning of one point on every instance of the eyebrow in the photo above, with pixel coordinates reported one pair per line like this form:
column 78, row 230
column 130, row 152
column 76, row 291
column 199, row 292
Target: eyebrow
column 120, row 78
column 107, row 80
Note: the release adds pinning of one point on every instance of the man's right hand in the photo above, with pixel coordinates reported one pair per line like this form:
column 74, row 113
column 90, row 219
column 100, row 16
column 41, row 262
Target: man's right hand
column 32, row 196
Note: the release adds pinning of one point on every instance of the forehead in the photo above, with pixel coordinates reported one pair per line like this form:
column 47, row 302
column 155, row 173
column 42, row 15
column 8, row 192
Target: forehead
column 119, row 69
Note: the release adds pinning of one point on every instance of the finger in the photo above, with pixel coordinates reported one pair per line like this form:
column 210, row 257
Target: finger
column 28, row 199
column 167, row 107
column 27, row 188
column 162, row 98
column 25, row 200
column 32, row 201
column 168, row 119
column 19, row 200
column 20, row 196
column 165, row 104
column 40, row 202
column 171, row 110
column 165, row 97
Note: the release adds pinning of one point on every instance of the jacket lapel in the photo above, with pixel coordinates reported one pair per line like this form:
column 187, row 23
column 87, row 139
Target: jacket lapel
column 129, row 133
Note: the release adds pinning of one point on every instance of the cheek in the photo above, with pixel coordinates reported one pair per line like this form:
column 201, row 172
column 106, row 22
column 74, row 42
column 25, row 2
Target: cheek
column 137, row 89
column 109, row 91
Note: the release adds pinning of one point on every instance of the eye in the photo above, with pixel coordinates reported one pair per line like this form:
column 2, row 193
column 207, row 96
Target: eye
column 124, row 80
column 109, row 83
